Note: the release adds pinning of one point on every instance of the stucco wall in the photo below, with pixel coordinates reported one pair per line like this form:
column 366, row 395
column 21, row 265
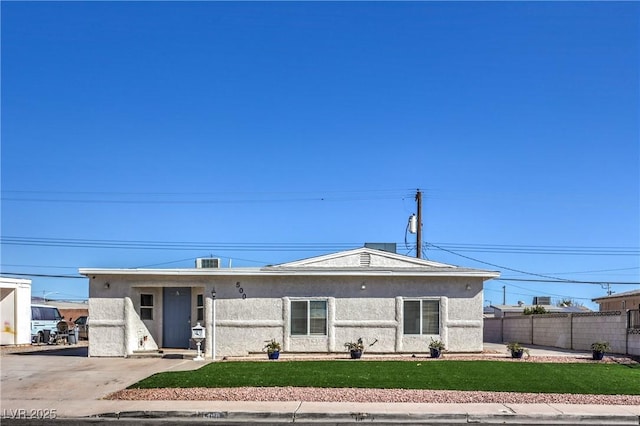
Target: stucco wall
column 15, row 311
column 107, row 327
column 251, row 310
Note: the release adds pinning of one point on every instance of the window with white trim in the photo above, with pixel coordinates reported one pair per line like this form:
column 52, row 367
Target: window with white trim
column 146, row 306
column 200, row 307
column 308, row 317
column 422, row 316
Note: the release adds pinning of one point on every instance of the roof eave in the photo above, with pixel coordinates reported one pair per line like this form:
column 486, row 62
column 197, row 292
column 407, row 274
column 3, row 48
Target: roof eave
column 283, row 272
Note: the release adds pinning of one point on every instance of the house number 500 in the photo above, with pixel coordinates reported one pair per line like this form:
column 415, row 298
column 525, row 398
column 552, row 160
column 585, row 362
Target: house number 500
column 241, row 290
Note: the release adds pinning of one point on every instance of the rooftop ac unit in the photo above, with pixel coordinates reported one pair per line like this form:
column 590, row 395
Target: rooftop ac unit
column 541, row 300
column 211, row 262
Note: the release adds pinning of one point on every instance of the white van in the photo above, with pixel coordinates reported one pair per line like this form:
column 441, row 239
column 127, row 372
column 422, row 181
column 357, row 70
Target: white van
column 44, row 322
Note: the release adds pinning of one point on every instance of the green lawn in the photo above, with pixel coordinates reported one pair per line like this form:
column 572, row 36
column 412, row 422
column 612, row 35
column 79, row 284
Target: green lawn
column 588, row 378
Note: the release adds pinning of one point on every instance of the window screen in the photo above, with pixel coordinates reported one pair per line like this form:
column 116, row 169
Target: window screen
column 308, row 317
column 421, row 317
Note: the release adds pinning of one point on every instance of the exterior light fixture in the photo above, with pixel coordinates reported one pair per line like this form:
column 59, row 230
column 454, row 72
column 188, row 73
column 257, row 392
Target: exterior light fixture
column 107, row 285
column 213, row 293
column 363, row 286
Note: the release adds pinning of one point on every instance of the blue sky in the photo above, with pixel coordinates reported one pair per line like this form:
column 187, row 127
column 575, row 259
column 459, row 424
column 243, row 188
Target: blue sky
column 152, row 133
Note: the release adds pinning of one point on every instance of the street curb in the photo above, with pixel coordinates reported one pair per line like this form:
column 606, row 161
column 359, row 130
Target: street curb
column 359, row 417
column 202, row 415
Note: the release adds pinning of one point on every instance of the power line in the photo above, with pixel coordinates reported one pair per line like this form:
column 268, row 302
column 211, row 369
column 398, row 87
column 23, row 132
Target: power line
column 597, row 270
column 571, row 281
column 549, row 278
column 201, row 197
column 497, row 266
column 166, row 245
column 42, row 275
column 529, row 249
column 253, row 246
column 550, row 294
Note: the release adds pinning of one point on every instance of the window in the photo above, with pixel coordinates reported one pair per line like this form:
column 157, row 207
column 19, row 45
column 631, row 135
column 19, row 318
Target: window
column 421, row 317
column 309, row 317
column 200, row 308
column 45, row 313
column 146, row 306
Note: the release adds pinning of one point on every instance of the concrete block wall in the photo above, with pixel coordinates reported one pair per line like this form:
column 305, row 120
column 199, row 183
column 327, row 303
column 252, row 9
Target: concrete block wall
column 517, row 329
column 569, row 331
column 600, row 327
column 552, row 330
column 633, row 337
column 492, row 331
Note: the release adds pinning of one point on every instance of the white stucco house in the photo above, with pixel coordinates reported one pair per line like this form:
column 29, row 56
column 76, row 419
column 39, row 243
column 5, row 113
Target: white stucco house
column 311, row 305
column 15, row 311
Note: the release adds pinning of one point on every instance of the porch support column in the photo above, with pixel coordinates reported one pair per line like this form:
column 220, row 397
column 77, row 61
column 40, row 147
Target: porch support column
column 209, row 345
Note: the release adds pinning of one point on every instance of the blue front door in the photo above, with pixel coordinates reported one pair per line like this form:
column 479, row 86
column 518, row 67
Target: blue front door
column 176, row 318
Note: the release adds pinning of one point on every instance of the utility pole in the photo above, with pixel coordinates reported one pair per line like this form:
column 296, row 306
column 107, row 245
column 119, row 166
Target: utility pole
column 608, row 287
column 419, row 231
column 504, row 294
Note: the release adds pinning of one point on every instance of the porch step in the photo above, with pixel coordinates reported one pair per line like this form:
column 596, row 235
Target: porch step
column 161, row 353
column 146, row 354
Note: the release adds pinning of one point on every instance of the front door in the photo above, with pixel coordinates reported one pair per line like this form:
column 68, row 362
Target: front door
column 176, row 321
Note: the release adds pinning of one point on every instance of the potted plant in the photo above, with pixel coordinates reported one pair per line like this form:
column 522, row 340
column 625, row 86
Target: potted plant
column 436, row 347
column 598, row 349
column 273, row 348
column 355, row 348
column 517, row 350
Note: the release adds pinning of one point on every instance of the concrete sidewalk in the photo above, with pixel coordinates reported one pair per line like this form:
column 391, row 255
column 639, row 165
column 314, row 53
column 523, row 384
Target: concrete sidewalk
column 65, row 384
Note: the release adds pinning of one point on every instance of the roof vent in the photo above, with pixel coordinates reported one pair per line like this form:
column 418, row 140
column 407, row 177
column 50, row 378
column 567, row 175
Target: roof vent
column 365, row 259
column 208, row 263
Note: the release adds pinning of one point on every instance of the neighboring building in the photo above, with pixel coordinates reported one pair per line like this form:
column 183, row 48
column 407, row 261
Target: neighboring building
column 70, row 310
column 619, row 301
column 15, row 311
column 500, row 311
column 311, row 305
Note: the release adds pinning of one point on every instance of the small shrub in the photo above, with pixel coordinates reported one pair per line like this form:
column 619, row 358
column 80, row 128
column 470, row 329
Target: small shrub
column 600, row 346
column 516, row 347
column 436, row 344
column 355, row 346
column 535, row 310
column 272, row 346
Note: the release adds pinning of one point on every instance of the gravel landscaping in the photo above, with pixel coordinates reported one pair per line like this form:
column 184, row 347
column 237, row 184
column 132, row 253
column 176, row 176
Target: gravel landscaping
column 391, row 395
column 367, row 395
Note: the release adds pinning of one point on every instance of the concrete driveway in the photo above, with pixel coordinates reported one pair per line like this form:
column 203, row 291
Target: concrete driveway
column 67, row 374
